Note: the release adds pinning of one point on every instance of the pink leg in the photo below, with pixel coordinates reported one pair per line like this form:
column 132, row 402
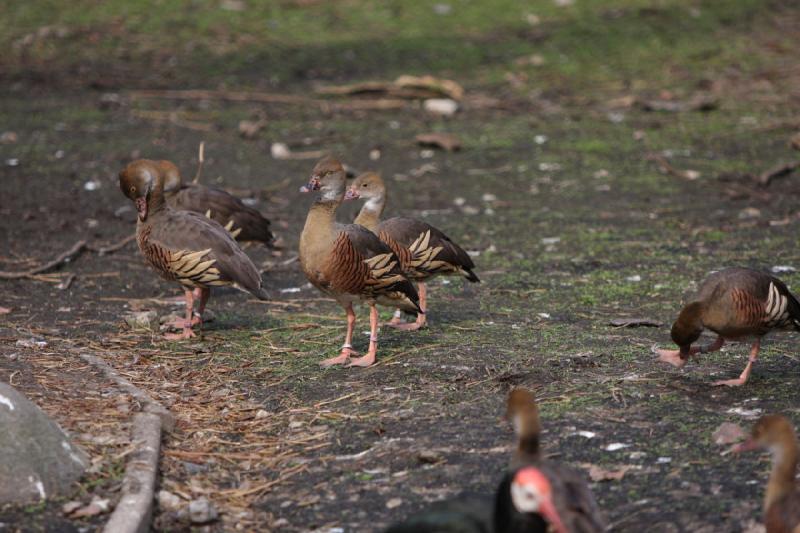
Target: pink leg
column 742, row 379
column 674, row 358
column 369, row 359
column 187, row 324
column 421, row 318
column 197, row 319
column 347, row 348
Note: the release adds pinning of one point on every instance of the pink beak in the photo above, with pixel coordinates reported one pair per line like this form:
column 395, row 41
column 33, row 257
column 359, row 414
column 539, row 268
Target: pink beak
column 548, row 511
column 313, row 185
column 745, row 446
column 351, row 194
column 141, row 207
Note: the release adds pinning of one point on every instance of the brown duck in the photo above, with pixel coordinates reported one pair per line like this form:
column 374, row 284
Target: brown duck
column 572, row 499
column 184, row 246
column 349, row 262
column 782, row 500
column 245, row 223
column 736, row 304
column 424, row 251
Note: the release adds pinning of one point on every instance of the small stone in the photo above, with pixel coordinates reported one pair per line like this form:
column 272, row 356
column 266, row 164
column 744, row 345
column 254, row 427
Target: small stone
column 8, row 137
column 193, row 468
column 394, row 502
column 616, row 446
column 441, row 106
column 142, row 320
column 749, row 213
column 261, row 413
column 279, row 523
column 168, row 501
column 442, row 9
column 201, row 511
column 280, row 151
column 429, row 457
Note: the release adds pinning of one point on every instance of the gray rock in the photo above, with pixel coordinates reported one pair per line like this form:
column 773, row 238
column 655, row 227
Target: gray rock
column 202, row 511
column 142, row 320
column 38, row 460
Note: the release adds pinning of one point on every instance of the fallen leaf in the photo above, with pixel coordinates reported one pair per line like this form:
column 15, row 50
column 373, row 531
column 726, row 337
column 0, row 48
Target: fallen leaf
column 446, row 141
column 598, row 473
column 728, row 433
column 70, row 507
column 5, row 310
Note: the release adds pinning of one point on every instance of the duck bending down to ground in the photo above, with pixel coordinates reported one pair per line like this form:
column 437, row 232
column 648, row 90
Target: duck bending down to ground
column 184, row 246
column 782, row 500
column 349, row 262
column 572, row 499
column 245, row 223
column 424, row 251
column 736, row 304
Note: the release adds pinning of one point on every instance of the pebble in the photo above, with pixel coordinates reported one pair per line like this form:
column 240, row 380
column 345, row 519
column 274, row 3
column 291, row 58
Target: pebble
column 202, row 511
column 441, row 106
column 168, row 501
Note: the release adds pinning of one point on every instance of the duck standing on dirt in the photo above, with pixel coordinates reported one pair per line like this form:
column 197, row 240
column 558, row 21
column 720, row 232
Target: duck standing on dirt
column 184, row 246
column 782, row 500
column 736, row 304
column 349, row 262
column 245, row 223
column 572, row 499
column 424, row 251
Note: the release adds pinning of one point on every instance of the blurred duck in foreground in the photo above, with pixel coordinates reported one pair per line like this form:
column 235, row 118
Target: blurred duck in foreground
column 424, row 251
column 782, row 500
column 245, row 223
column 349, row 262
column 736, row 304
column 535, row 495
column 184, row 246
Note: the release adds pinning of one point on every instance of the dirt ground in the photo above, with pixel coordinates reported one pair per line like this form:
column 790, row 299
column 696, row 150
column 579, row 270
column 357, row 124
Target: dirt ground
column 599, row 181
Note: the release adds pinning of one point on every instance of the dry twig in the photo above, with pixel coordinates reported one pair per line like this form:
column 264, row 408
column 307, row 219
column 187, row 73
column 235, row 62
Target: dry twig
column 65, row 257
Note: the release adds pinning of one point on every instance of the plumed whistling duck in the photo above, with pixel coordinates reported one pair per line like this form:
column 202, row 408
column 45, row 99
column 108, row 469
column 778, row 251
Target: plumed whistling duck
column 736, row 304
column 782, row 500
column 245, row 223
column 349, row 262
column 424, row 251
column 183, row 246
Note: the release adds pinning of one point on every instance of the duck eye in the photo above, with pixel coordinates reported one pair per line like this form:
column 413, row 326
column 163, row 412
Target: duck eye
column 133, row 188
column 364, row 185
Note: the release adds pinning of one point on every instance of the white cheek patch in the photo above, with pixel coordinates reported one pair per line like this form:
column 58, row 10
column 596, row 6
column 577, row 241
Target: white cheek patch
column 526, row 498
column 328, row 194
column 373, row 204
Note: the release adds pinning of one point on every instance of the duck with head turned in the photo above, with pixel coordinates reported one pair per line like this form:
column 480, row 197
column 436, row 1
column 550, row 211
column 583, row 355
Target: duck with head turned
column 736, row 304
column 782, row 499
column 349, row 262
column 184, row 246
column 424, row 251
column 245, row 223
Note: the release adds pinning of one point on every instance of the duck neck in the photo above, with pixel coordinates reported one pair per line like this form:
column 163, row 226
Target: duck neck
column 784, row 466
column 527, row 428
column 318, row 232
column 371, row 211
